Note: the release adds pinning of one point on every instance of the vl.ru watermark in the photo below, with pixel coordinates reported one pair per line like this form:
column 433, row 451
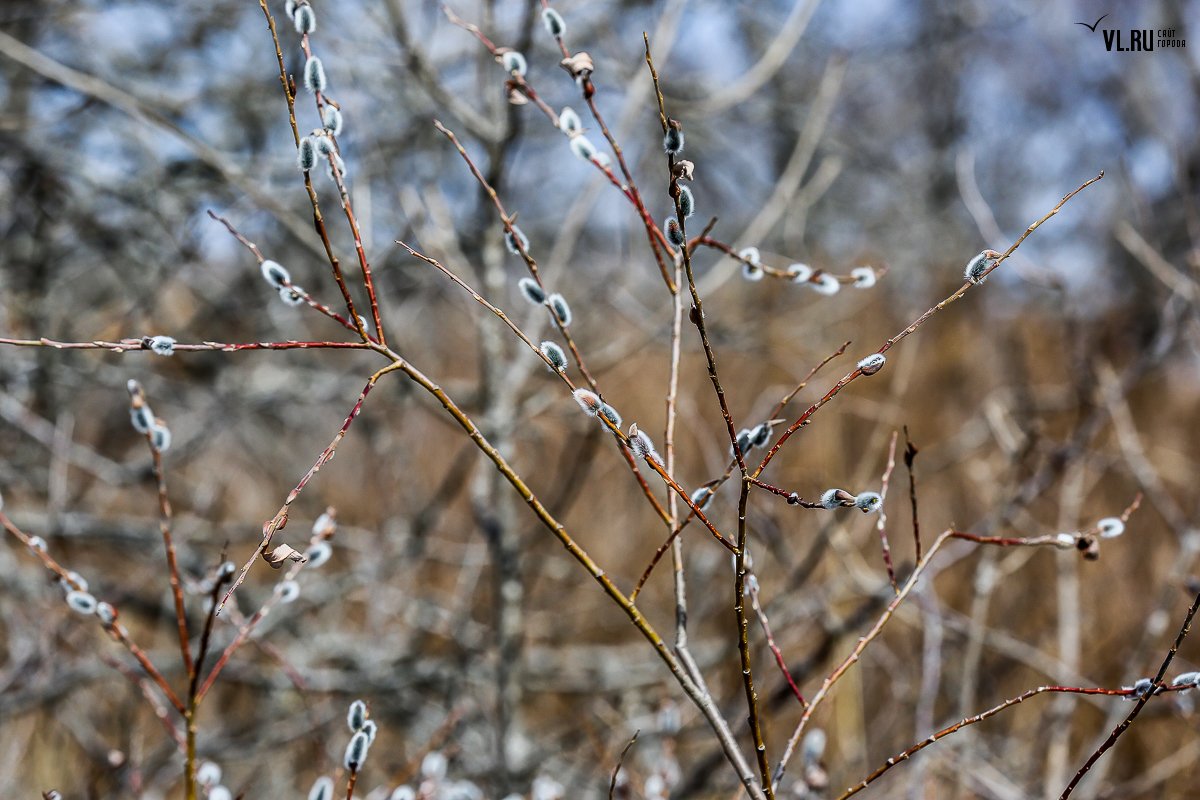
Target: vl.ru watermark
column 1143, row 40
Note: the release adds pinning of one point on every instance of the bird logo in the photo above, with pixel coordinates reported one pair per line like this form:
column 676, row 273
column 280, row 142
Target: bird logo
column 1091, row 27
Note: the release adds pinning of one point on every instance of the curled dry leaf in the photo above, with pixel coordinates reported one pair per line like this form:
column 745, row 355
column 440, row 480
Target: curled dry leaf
column 579, row 65
column 281, row 554
column 515, row 96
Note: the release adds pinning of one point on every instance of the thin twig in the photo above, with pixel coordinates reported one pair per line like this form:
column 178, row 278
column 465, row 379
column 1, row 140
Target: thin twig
column 612, row 784
column 910, row 455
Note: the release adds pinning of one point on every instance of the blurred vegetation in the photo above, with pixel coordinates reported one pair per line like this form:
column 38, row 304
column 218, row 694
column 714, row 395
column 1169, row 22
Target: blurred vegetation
column 905, row 133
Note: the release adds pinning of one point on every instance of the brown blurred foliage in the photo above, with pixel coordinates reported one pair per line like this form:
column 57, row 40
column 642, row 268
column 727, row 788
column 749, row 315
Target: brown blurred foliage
column 910, row 134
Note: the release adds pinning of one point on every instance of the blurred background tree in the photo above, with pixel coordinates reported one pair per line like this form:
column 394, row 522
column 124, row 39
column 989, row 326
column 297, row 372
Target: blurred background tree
column 905, row 133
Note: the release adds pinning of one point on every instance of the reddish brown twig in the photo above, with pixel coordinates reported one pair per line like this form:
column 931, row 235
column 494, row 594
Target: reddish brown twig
column 756, row 604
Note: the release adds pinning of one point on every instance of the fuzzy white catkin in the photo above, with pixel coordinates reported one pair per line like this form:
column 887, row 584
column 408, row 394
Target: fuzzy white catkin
column 292, row 295
column 872, row 363
column 162, row 345
column 829, row 499
column 160, row 437
column 752, row 272
column 331, row 120
column 75, row 581
column 554, row 23
column 868, row 502
column 318, row 554
column 611, row 414
column 511, row 238
column 559, row 307
column 106, row 613
column 1190, row 679
column 275, row 274
column 514, row 62
column 588, row 401
column 81, row 602
column 687, row 202
column 142, row 418
column 219, row 793
column 826, row 284
column 750, row 255
column 673, row 231
column 641, row 445
column 37, row 543
column 434, row 765
column 305, row 19
column 314, row 75
column 673, row 141
column 1111, row 527
column 403, row 793
column 568, row 121
column 371, row 730
column 288, row 591
column 531, row 291
column 813, row 747
column 306, row 157
column 356, row 751
column 977, row 267
column 864, row 277
column 322, row 789
column 356, row 715
column 555, row 355
column 703, row 493
column 582, row 147
column 801, row 273
column 761, row 434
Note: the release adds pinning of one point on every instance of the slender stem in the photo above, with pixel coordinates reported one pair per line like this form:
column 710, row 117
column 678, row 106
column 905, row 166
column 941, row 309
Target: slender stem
column 743, row 630
column 612, row 783
column 756, row 604
column 164, row 527
column 910, row 455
